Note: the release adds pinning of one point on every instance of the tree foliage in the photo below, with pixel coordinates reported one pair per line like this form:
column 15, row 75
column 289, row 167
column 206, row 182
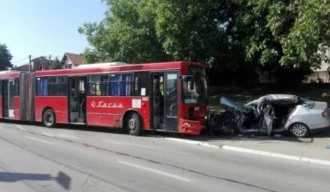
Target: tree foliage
column 228, row 35
column 127, row 33
column 92, row 56
column 156, row 30
column 5, row 57
column 192, row 30
column 285, row 34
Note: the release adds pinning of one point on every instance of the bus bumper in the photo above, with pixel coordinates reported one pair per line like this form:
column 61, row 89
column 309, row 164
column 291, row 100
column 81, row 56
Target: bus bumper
column 190, row 127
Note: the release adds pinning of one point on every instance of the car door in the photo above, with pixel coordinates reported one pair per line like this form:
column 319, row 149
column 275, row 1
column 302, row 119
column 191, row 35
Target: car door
column 268, row 119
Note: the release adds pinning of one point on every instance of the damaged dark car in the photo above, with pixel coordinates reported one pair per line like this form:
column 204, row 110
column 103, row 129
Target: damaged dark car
column 270, row 114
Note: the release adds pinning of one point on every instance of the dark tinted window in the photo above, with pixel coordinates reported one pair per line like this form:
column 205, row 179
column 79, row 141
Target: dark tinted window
column 141, row 84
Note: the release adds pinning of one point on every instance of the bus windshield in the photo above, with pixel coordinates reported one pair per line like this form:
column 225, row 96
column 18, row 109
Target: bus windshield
column 194, row 89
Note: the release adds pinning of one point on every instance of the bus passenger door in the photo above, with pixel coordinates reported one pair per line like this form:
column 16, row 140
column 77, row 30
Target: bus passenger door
column 157, row 98
column 8, row 98
column 171, row 101
column 77, row 100
column 164, row 101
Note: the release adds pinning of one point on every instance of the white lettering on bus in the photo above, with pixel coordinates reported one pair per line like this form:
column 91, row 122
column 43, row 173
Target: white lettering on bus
column 102, row 104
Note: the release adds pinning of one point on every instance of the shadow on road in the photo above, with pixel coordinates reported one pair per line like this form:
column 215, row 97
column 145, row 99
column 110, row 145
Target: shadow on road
column 62, row 179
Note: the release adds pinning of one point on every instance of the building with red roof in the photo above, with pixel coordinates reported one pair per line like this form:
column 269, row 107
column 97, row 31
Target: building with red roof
column 72, row 60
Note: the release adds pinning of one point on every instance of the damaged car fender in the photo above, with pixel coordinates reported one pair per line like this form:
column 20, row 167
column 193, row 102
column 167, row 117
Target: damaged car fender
column 275, row 113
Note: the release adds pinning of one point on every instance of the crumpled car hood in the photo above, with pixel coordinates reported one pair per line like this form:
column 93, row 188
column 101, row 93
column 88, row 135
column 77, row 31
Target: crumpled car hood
column 231, row 105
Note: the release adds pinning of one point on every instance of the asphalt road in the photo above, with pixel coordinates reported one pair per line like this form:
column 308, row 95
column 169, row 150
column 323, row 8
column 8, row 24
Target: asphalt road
column 34, row 158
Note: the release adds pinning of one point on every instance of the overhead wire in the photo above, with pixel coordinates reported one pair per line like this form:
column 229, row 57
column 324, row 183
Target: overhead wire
column 18, row 61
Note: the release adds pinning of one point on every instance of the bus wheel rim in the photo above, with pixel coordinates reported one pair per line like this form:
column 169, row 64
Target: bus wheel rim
column 132, row 124
column 49, row 118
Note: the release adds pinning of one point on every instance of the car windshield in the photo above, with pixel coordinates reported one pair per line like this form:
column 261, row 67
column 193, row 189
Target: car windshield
column 194, row 89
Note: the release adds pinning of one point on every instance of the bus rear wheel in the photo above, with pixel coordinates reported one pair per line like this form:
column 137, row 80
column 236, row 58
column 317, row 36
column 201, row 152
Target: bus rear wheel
column 133, row 124
column 48, row 118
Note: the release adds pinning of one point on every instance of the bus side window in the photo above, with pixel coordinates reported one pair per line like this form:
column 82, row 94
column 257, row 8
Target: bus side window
column 120, row 84
column 94, row 85
column 52, row 81
column 126, row 85
column 103, row 85
column 110, row 85
column 57, row 86
column 114, row 84
column 42, row 86
column 16, row 87
column 141, row 84
column 62, row 86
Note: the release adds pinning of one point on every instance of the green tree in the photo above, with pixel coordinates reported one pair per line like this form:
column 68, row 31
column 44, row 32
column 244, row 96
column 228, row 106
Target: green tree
column 5, row 57
column 283, row 36
column 205, row 31
column 190, row 30
column 158, row 30
column 92, row 56
column 127, row 33
column 57, row 63
column 235, row 37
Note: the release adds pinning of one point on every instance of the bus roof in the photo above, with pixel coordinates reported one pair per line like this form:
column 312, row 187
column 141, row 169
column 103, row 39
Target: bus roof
column 100, row 65
column 117, row 67
column 9, row 74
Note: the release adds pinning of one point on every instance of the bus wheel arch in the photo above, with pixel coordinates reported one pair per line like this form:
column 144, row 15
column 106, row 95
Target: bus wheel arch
column 48, row 117
column 132, row 123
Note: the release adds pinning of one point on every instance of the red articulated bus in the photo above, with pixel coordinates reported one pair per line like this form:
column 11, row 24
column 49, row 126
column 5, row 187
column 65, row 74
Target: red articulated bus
column 168, row 96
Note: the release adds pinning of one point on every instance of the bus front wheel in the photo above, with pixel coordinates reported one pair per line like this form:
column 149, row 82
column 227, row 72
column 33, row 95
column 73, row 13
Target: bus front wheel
column 48, row 118
column 133, row 124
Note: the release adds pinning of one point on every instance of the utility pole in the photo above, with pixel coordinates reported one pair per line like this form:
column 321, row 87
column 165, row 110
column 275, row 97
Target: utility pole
column 50, row 63
column 30, row 63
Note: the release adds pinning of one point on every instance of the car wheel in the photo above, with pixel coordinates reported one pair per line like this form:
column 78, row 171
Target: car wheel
column 133, row 124
column 299, row 130
column 230, row 128
column 48, row 118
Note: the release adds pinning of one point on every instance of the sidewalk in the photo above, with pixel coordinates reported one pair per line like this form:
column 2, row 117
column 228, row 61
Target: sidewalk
column 312, row 150
column 318, row 148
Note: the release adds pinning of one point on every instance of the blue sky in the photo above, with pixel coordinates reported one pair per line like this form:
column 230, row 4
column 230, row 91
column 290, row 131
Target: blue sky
column 46, row 27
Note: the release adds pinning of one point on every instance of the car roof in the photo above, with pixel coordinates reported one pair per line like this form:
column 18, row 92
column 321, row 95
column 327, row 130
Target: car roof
column 274, row 98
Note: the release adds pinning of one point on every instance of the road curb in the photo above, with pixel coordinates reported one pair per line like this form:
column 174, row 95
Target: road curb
column 255, row 152
column 204, row 144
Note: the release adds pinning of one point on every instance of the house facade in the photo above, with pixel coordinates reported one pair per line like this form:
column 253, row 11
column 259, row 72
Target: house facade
column 71, row 60
column 39, row 64
column 320, row 75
